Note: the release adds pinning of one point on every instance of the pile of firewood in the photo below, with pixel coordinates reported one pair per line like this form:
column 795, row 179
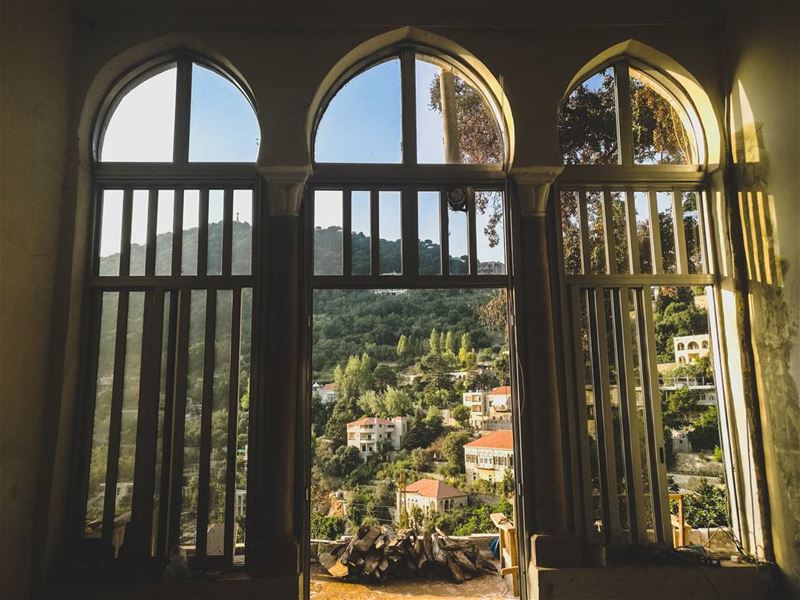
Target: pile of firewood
column 380, row 552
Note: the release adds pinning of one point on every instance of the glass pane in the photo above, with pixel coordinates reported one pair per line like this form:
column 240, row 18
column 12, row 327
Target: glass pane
column 111, row 232
column 242, row 232
column 194, row 408
column 458, row 243
column 587, row 128
column 362, row 123
column 104, row 381
column 164, row 224
column 130, row 413
column 223, row 125
column 162, row 404
column 490, row 233
column 666, row 226
column 642, row 205
column 191, row 221
column 570, row 232
column 328, row 232
column 596, row 225
column 216, row 211
column 240, row 497
column 454, row 122
column 139, row 232
column 215, row 541
column 429, row 232
column 360, row 234
column 619, row 230
column 691, row 226
column 660, row 125
column 389, row 228
column 142, row 126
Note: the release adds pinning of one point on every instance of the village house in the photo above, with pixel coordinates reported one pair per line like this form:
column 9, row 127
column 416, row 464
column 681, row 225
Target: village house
column 368, row 433
column 430, row 495
column 489, row 457
column 691, row 348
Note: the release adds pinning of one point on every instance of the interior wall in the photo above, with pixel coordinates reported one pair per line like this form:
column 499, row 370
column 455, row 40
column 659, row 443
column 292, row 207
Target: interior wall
column 36, row 45
column 764, row 120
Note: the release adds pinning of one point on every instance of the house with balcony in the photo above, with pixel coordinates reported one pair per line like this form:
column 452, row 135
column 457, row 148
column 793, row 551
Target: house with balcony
column 430, row 496
column 489, row 457
column 369, row 433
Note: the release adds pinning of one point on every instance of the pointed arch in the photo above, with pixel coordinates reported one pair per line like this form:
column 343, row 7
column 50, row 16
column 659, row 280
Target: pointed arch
column 676, row 79
column 372, row 50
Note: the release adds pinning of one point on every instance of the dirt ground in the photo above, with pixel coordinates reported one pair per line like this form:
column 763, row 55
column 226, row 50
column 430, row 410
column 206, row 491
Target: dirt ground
column 488, row 587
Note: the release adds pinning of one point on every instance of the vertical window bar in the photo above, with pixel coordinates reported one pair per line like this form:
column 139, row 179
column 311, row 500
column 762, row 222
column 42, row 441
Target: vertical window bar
column 152, row 223
column 624, row 113
column 127, row 218
column 112, row 464
column 681, row 258
column 409, row 110
column 444, row 242
column 97, row 226
column 375, row 233
column 628, row 410
column 603, row 417
column 473, row 237
column 205, row 423
column 608, row 231
column 586, row 253
column 347, row 232
column 707, row 247
column 177, row 233
column 655, row 433
column 183, row 108
column 233, row 423
column 655, row 233
column 409, row 227
column 227, row 233
column 202, row 235
column 178, row 420
column 633, row 236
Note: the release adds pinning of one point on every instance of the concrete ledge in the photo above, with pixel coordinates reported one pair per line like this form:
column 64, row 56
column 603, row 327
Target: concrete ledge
column 730, row 581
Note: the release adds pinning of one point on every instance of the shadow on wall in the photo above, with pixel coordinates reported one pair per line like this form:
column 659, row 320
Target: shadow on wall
column 774, row 326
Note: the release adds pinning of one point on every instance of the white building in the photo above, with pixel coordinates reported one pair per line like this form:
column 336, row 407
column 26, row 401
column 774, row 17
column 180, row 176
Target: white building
column 489, row 410
column 499, row 400
column 691, row 348
column 490, row 456
column 430, row 495
column 476, row 403
column 368, row 433
column 327, row 393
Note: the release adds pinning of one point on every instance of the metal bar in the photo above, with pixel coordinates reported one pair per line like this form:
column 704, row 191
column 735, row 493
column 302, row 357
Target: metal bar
column 227, row 232
column 175, row 174
column 177, row 234
column 655, row 233
column 708, row 255
column 115, row 421
column 202, row 234
column 375, row 256
column 691, row 177
column 624, row 114
column 173, row 282
column 233, row 422
column 403, row 282
column 98, row 206
column 409, row 111
column 603, row 415
column 473, row 237
column 409, row 234
column 634, row 263
column 662, row 279
column 178, row 420
column 424, row 175
column 125, row 241
column 152, row 224
column 681, row 256
column 183, row 108
column 347, row 232
column 608, row 231
column 649, row 363
column 205, row 424
column 444, row 228
column 583, row 217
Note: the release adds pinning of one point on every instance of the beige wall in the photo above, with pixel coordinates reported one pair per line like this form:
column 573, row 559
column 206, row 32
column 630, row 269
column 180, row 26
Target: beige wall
column 52, row 87
column 764, row 57
column 36, row 45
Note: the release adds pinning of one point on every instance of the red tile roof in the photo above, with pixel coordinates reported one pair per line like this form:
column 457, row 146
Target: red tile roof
column 371, row 421
column 501, row 440
column 329, row 387
column 433, row 488
column 503, row 389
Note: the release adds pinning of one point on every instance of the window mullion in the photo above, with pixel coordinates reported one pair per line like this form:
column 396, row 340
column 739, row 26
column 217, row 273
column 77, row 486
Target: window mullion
column 444, row 228
column 409, row 245
column 586, row 258
column 681, row 258
column 201, row 546
column 347, row 231
column 183, row 108
column 409, row 110
column 624, row 113
column 608, row 231
column 631, row 229
column 655, row 233
column 233, row 423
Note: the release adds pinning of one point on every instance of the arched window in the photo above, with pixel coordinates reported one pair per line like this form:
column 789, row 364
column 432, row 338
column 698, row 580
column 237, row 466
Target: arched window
column 693, row 346
column 634, row 257
column 704, row 345
column 170, row 297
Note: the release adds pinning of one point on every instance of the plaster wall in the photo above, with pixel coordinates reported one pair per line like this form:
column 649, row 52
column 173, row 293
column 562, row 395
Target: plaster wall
column 764, row 69
column 36, row 44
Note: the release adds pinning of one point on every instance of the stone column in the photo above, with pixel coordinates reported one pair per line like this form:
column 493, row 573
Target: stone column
column 273, row 549
column 552, row 545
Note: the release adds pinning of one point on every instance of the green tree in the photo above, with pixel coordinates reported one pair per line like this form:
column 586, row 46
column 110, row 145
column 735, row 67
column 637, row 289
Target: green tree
column 461, row 414
column 345, row 460
column 433, row 342
column 453, row 449
column 706, row 507
column 449, row 345
column 403, row 347
column 384, row 376
column 704, row 434
column 465, row 349
column 326, row 527
column 678, row 406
